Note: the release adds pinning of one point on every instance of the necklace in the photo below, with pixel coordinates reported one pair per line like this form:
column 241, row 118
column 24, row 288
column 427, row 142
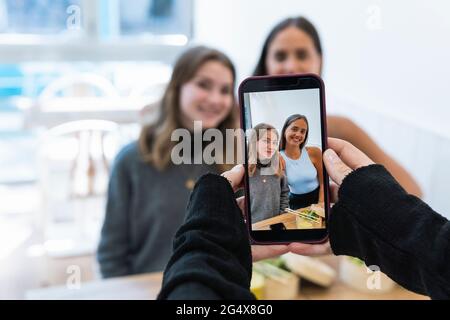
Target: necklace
column 189, row 184
column 192, row 173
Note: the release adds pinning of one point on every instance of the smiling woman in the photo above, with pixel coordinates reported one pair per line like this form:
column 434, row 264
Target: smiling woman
column 147, row 191
column 207, row 97
column 303, row 164
column 294, row 46
column 201, row 89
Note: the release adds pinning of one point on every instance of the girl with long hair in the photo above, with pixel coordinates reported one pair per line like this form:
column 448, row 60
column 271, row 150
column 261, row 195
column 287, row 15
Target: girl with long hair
column 147, row 192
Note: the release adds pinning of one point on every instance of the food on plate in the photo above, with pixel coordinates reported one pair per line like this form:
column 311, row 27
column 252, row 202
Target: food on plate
column 279, row 284
column 310, row 269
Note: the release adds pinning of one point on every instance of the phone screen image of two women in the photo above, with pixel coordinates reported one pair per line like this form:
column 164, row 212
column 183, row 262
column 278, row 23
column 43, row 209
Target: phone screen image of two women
column 284, row 159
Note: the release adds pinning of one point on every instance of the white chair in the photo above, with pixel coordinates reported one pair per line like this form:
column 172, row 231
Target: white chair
column 152, row 90
column 59, row 95
column 79, row 85
column 74, row 162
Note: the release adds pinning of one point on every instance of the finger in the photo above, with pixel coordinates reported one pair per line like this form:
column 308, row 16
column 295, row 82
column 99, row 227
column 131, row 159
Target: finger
column 349, row 154
column 266, row 252
column 241, row 204
column 337, row 170
column 310, row 249
column 239, row 168
column 237, row 176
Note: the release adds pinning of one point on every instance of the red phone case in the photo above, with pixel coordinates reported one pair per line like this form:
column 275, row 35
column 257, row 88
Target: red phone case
column 324, row 143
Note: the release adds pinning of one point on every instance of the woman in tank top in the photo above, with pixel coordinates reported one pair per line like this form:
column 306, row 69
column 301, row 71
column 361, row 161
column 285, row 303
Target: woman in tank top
column 303, row 164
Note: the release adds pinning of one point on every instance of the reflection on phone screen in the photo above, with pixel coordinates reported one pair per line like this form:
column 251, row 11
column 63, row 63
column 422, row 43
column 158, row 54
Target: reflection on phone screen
column 285, row 168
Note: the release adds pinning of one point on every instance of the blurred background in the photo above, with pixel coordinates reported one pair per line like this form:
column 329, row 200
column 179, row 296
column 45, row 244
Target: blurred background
column 76, row 74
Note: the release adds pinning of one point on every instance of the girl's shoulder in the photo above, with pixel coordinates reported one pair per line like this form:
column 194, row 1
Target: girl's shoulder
column 314, row 152
column 128, row 158
column 282, row 162
column 283, row 157
column 128, row 153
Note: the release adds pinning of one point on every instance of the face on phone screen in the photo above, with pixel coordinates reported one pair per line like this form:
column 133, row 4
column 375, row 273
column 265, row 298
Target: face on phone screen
column 284, row 130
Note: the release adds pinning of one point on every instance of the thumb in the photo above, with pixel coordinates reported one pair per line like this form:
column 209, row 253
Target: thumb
column 235, row 176
column 238, row 176
column 241, row 203
column 336, row 168
column 239, row 168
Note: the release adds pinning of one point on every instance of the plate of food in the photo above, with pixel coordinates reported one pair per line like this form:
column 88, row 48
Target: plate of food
column 309, row 217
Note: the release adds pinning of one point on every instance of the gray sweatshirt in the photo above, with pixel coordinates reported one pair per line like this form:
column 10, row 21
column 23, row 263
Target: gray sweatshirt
column 269, row 195
column 144, row 209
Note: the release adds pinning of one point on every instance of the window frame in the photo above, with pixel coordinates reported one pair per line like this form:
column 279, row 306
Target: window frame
column 90, row 46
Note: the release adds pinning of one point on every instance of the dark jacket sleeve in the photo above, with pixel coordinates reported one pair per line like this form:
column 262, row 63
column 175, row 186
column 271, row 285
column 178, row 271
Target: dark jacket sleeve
column 113, row 249
column 212, row 257
column 378, row 222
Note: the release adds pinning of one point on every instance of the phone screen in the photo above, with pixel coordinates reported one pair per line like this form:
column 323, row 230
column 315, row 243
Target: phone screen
column 286, row 182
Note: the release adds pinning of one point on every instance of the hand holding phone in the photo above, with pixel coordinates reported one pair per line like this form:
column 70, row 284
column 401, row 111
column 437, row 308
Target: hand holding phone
column 285, row 180
column 260, row 252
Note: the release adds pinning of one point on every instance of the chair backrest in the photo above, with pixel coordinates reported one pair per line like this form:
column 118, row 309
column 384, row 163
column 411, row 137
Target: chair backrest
column 83, row 125
column 76, row 86
column 74, row 164
column 153, row 90
column 77, row 129
column 79, row 85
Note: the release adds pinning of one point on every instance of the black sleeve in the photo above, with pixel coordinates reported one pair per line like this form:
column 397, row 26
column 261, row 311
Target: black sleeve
column 378, row 222
column 212, row 257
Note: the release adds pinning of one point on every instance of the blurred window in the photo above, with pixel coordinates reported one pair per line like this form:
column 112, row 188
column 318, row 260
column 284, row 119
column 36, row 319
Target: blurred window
column 131, row 43
column 44, row 17
column 155, row 17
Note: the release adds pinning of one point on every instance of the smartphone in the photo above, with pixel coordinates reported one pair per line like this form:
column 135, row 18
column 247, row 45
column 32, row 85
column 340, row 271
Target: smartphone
column 285, row 184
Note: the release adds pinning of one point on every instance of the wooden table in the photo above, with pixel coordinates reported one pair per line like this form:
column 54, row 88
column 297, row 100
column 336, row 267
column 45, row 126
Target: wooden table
column 140, row 287
column 288, row 219
column 147, row 286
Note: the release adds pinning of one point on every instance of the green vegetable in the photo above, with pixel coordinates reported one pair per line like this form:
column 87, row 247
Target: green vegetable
column 310, row 213
column 277, row 262
column 356, row 261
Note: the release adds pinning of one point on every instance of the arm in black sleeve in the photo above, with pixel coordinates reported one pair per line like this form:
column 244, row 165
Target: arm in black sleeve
column 212, row 257
column 378, row 222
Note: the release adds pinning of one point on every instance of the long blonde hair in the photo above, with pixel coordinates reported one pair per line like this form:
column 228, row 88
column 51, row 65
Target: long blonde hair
column 255, row 135
column 155, row 140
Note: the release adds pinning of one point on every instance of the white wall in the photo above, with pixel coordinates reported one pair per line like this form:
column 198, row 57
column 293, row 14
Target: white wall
column 275, row 107
column 387, row 60
column 377, row 52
